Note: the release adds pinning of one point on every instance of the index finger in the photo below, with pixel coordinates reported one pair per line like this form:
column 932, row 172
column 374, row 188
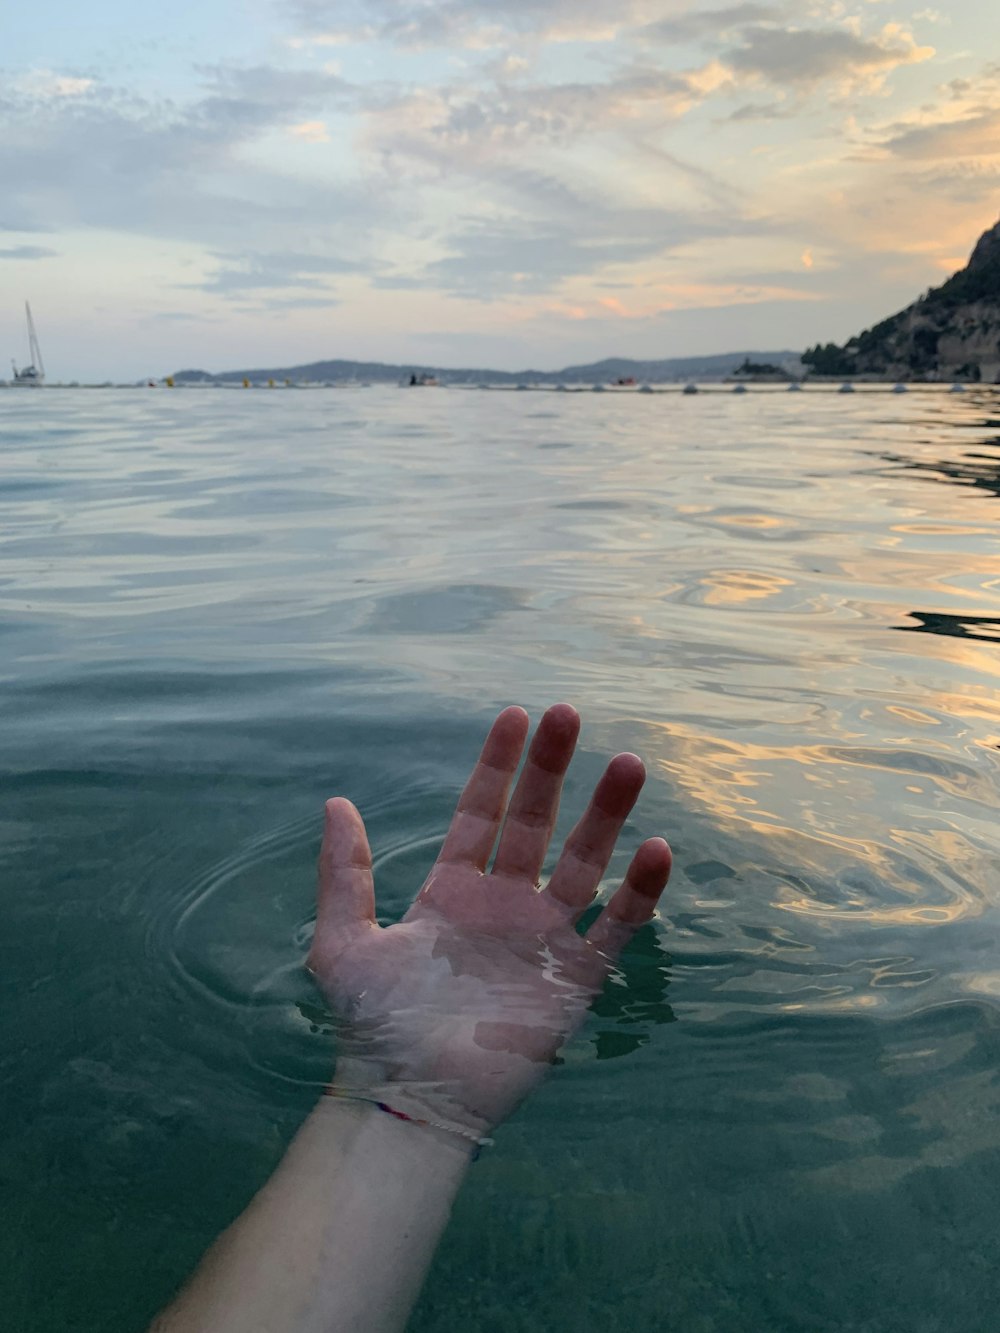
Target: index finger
column 480, row 810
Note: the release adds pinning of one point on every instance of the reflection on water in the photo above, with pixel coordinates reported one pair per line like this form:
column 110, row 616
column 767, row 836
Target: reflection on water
column 217, row 609
column 957, row 627
column 965, row 468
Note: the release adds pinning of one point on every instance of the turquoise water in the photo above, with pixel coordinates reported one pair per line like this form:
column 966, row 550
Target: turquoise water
column 217, row 609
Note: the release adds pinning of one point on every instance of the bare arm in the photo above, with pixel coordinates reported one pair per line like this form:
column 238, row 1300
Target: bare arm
column 448, row 1018
column 339, row 1238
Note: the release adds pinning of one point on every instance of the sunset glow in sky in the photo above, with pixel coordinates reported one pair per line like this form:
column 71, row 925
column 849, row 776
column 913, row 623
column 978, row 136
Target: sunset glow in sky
column 482, row 182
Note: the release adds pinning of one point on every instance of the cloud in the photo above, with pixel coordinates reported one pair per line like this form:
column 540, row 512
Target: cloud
column 28, row 252
column 310, row 131
column 973, row 136
column 267, row 89
column 771, row 43
column 806, row 57
column 470, row 23
column 495, row 258
column 492, row 260
column 713, row 23
column 665, row 298
column 527, row 212
column 45, row 83
column 177, row 316
column 276, row 304
column 751, row 111
column 534, row 211
column 237, row 275
column 22, row 224
column 112, row 160
column 792, row 283
column 557, row 112
column 976, row 92
column 476, row 124
column 963, row 183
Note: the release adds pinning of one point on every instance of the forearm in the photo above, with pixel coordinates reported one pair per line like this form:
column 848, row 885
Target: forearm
column 339, row 1239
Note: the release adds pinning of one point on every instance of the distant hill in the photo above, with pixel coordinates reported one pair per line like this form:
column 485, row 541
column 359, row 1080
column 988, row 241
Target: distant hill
column 599, row 372
column 951, row 333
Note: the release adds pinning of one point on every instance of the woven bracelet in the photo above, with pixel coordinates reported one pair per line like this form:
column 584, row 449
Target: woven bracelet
column 331, row 1090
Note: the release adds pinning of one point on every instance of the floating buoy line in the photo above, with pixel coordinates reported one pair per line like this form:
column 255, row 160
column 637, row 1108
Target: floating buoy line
column 689, row 389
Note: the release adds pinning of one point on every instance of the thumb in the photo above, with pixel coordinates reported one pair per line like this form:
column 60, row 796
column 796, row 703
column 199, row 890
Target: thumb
column 346, row 894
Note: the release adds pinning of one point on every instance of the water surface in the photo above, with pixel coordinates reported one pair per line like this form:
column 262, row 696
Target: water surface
column 218, row 608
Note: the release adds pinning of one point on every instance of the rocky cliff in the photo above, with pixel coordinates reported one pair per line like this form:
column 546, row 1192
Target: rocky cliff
column 951, row 333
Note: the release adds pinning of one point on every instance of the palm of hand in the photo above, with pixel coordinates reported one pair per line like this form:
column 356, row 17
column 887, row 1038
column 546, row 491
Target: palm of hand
column 463, row 1004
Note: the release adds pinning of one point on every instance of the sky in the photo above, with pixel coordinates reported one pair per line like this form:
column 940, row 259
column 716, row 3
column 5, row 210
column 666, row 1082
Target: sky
column 506, row 183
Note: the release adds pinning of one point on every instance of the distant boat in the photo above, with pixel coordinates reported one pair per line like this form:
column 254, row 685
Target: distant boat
column 645, row 388
column 420, row 382
column 33, row 374
column 794, row 387
column 957, row 388
column 900, row 388
column 846, row 387
column 739, row 388
column 597, row 388
column 690, row 388
column 625, row 381
column 759, row 372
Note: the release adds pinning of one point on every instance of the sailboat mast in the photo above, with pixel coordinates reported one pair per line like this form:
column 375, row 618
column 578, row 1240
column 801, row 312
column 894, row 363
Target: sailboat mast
column 34, row 351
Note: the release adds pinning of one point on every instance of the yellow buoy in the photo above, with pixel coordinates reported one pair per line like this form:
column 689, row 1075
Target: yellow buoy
column 270, row 384
column 246, row 384
column 169, row 381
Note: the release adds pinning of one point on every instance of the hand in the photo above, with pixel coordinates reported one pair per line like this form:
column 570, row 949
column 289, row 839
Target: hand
column 456, row 1011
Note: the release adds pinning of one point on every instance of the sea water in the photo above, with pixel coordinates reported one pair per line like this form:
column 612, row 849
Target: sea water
column 219, row 608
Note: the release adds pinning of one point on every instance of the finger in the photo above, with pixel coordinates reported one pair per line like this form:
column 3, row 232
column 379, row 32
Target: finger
column 633, row 904
column 346, row 899
column 588, row 848
column 531, row 818
column 476, row 821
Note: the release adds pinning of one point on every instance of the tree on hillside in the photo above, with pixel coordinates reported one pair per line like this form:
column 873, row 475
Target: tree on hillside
column 828, row 359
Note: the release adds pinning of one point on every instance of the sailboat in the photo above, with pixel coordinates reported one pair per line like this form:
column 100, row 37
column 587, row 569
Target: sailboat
column 33, row 374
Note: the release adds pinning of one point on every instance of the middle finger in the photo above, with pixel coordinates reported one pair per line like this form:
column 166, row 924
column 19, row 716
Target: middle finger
column 533, row 808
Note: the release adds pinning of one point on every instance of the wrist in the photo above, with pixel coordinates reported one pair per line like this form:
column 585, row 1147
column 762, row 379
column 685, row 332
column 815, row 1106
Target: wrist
column 414, row 1112
column 378, row 1132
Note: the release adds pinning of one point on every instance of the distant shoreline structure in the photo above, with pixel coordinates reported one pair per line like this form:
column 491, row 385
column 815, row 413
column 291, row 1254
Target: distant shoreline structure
column 611, row 371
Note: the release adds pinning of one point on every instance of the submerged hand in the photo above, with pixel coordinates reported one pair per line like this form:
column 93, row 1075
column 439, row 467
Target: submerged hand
column 458, row 1009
